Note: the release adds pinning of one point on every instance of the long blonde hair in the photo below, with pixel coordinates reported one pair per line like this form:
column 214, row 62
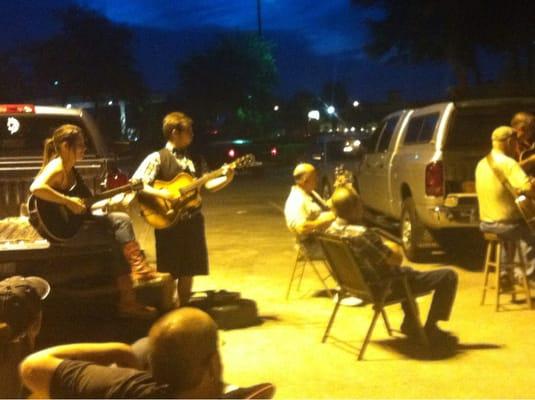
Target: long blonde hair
column 66, row 133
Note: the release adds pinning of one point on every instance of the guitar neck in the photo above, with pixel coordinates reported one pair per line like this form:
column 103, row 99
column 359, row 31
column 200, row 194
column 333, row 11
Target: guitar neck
column 202, row 180
column 107, row 194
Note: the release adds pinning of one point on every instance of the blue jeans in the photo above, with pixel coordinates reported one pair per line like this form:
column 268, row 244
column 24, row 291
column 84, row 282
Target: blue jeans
column 514, row 231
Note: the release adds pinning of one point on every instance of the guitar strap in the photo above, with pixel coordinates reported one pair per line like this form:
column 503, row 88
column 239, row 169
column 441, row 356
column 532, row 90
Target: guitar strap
column 501, row 177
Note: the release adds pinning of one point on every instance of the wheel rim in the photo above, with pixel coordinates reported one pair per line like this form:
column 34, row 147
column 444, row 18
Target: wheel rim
column 406, row 231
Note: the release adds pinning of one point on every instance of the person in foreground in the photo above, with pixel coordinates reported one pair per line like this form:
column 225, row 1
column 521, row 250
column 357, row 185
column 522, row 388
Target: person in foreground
column 382, row 259
column 20, row 322
column 183, row 355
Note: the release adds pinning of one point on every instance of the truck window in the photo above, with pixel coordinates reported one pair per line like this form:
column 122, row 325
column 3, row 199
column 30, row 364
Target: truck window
column 421, row 129
column 24, row 134
column 386, row 135
column 471, row 127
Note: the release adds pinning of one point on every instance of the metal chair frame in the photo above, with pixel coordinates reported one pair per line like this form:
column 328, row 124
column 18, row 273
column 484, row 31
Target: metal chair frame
column 302, row 259
column 346, row 270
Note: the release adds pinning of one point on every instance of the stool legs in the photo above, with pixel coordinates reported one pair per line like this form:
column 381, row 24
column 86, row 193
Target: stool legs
column 493, row 263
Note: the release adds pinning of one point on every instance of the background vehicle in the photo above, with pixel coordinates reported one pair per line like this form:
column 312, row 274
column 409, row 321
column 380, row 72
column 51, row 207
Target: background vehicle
column 23, row 129
column 418, row 174
column 331, row 151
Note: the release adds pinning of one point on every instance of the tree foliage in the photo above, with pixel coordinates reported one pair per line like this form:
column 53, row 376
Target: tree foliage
column 451, row 31
column 232, row 81
column 91, row 58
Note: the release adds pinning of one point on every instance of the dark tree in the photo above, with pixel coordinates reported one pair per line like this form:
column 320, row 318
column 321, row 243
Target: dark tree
column 91, row 58
column 425, row 30
column 233, row 81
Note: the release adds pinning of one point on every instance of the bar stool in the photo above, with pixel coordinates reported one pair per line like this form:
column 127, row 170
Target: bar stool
column 303, row 259
column 493, row 263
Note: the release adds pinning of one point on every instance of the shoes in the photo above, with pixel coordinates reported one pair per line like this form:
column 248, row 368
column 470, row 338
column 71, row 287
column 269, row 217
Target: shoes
column 435, row 335
column 439, row 337
column 260, row 391
column 137, row 311
column 506, row 283
column 348, row 301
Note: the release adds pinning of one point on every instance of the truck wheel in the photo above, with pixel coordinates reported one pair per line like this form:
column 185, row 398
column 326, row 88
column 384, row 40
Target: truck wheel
column 411, row 231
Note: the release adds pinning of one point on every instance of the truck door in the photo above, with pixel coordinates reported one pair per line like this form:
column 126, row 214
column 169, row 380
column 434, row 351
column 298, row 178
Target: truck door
column 373, row 179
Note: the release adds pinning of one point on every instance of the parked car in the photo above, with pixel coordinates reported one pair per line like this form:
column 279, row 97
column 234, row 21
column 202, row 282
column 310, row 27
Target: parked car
column 23, row 129
column 329, row 152
column 418, row 173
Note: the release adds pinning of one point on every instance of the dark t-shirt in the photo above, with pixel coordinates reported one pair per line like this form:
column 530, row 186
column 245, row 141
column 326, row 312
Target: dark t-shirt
column 82, row 379
column 11, row 355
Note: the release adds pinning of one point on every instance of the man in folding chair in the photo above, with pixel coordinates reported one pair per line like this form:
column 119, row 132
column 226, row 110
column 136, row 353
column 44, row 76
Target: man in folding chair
column 381, row 257
column 307, row 213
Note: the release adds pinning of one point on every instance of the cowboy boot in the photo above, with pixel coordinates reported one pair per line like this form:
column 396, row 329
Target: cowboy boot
column 128, row 306
column 140, row 268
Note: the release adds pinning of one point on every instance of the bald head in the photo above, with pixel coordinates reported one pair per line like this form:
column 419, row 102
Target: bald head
column 183, row 344
column 305, row 176
column 504, row 139
column 347, row 205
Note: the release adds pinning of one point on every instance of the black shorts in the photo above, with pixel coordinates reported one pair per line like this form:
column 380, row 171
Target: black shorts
column 181, row 249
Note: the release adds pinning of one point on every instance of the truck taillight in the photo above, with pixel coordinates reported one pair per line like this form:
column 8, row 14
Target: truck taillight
column 434, row 179
column 17, row 108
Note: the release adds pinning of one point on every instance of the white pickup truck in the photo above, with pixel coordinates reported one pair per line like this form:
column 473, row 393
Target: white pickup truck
column 418, row 173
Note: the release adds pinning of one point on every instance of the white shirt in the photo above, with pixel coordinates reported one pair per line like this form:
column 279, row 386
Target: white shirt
column 300, row 208
column 150, row 166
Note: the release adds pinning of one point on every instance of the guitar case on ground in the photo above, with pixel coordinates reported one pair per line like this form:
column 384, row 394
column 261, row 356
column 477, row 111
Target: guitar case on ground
column 227, row 309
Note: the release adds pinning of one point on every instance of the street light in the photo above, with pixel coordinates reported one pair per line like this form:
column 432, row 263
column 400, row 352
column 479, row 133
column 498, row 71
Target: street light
column 331, row 110
column 356, row 103
column 275, row 107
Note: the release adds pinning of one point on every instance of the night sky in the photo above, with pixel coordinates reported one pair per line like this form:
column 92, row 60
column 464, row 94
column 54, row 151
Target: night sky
column 314, row 41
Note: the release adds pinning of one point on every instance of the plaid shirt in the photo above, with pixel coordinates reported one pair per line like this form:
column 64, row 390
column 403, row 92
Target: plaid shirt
column 368, row 248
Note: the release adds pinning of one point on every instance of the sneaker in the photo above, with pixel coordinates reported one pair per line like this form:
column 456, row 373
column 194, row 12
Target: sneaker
column 348, row 301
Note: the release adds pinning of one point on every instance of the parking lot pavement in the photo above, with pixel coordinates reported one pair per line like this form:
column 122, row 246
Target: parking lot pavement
column 252, row 252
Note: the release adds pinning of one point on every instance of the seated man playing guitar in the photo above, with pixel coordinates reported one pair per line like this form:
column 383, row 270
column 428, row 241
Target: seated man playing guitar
column 179, row 235
column 58, row 183
column 501, row 184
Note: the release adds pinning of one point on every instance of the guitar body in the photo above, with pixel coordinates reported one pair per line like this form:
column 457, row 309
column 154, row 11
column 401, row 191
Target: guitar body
column 185, row 189
column 57, row 223
column 526, row 207
column 162, row 213
column 53, row 221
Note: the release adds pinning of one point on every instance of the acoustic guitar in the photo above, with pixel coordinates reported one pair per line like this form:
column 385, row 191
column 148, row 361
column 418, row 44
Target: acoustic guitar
column 56, row 222
column 161, row 213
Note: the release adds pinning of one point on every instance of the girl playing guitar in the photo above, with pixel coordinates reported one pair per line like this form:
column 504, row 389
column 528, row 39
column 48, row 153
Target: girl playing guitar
column 59, row 182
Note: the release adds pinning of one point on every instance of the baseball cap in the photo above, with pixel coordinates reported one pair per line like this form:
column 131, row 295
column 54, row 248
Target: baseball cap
column 302, row 168
column 20, row 302
column 502, row 133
